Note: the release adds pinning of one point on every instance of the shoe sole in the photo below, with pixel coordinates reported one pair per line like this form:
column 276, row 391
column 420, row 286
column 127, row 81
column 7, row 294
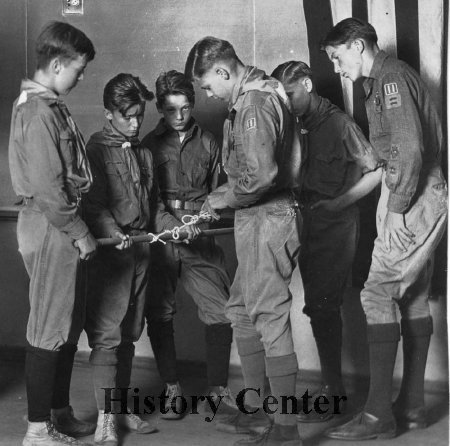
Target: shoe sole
column 241, row 430
column 314, row 420
column 381, row 436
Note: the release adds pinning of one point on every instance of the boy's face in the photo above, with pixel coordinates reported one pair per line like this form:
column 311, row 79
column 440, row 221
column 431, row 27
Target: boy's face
column 128, row 123
column 68, row 73
column 177, row 111
column 298, row 95
column 346, row 59
column 216, row 85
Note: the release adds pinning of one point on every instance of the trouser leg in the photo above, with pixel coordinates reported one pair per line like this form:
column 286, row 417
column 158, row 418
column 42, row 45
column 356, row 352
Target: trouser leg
column 104, row 368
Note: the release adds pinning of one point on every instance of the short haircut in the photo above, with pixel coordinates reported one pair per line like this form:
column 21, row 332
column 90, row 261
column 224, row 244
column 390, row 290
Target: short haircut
column 348, row 30
column 59, row 39
column 205, row 53
column 124, row 91
column 173, row 82
column 292, row 71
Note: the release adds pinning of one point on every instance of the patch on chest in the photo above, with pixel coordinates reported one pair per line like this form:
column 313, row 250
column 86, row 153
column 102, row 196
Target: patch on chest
column 250, row 124
column 390, row 89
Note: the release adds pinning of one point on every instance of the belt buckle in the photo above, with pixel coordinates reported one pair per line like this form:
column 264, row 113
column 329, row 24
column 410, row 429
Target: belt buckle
column 179, row 204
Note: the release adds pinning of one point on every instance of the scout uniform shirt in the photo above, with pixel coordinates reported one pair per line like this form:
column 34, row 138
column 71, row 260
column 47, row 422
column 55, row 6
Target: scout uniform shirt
column 124, row 194
column 47, row 158
column 261, row 152
column 335, row 146
column 188, row 170
column 405, row 129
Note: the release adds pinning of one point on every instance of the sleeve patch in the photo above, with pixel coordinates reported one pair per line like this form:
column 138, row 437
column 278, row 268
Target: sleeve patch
column 390, row 89
column 250, row 124
column 393, row 101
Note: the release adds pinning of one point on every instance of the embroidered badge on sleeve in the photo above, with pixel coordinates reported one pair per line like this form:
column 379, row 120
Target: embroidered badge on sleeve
column 250, row 124
column 392, row 96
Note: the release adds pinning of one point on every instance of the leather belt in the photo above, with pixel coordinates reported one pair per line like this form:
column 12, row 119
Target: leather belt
column 184, row 205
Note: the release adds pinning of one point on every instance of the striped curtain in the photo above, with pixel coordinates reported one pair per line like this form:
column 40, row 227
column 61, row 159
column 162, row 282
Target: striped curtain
column 412, row 30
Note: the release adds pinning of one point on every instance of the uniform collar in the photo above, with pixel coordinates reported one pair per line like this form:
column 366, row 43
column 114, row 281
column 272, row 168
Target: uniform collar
column 324, row 109
column 114, row 138
column 375, row 72
column 162, row 128
column 30, row 88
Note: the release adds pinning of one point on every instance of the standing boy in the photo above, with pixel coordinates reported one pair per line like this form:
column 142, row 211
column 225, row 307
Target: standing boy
column 123, row 202
column 187, row 166
column 261, row 157
column 405, row 131
column 337, row 153
column 50, row 172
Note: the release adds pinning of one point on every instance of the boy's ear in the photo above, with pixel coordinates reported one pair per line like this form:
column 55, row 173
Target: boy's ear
column 55, row 65
column 223, row 73
column 108, row 114
column 359, row 45
column 307, row 82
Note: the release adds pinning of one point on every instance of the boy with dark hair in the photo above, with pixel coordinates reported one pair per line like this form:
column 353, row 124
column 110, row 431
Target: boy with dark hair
column 336, row 152
column 123, row 201
column 49, row 170
column 187, row 165
column 261, row 155
column 405, row 131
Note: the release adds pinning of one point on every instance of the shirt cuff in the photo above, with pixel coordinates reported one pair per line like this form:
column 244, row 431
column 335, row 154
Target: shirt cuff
column 398, row 203
column 76, row 229
column 231, row 200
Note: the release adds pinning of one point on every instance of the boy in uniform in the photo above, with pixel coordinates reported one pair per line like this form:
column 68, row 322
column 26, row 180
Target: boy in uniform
column 405, row 131
column 186, row 161
column 49, row 170
column 335, row 153
column 262, row 159
column 123, row 201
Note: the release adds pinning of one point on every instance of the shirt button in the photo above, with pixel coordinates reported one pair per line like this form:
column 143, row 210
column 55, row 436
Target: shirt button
column 392, row 170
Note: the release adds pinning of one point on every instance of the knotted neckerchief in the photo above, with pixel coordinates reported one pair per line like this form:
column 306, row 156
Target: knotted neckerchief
column 80, row 149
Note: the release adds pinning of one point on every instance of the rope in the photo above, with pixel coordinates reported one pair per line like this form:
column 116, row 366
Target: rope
column 187, row 220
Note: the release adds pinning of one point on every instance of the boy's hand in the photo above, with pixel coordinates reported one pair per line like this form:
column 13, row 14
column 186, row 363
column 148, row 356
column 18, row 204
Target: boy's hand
column 395, row 232
column 87, row 246
column 126, row 241
column 192, row 231
column 207, row 207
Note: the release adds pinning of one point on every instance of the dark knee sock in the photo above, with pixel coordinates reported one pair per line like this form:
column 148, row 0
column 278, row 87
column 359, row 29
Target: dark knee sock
column 327, row 331
column 252, row 355
column 63, row 376
column 40, row 369
column 104, row 369
column 125, row 354
column 163, row 345
column 383, row 342
column 416, row 341
column 282, row 374
column 218, row 347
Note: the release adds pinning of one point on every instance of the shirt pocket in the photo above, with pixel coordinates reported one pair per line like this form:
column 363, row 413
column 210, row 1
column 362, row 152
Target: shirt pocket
column 166, row 170
column 329, row 168
column 67, row 149
column 118, row 176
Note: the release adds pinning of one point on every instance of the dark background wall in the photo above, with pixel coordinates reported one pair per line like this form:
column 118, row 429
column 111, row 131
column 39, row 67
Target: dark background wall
column 145, row 37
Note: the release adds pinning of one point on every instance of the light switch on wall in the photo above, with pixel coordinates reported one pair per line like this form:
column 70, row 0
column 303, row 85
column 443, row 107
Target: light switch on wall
column 72, row 7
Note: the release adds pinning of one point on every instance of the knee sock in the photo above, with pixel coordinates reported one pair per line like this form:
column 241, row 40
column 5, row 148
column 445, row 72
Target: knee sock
column 327, row 331
column 125, row 354
column 416, row 341
column 252, row 354
column 218, row 347
column 63, row 376
column 282, row 374
column 40, row 369
column 383, row 342
column 163, row 346
column 104, row 369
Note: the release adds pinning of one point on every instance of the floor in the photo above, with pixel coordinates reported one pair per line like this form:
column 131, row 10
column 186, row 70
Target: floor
column 193, row 430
